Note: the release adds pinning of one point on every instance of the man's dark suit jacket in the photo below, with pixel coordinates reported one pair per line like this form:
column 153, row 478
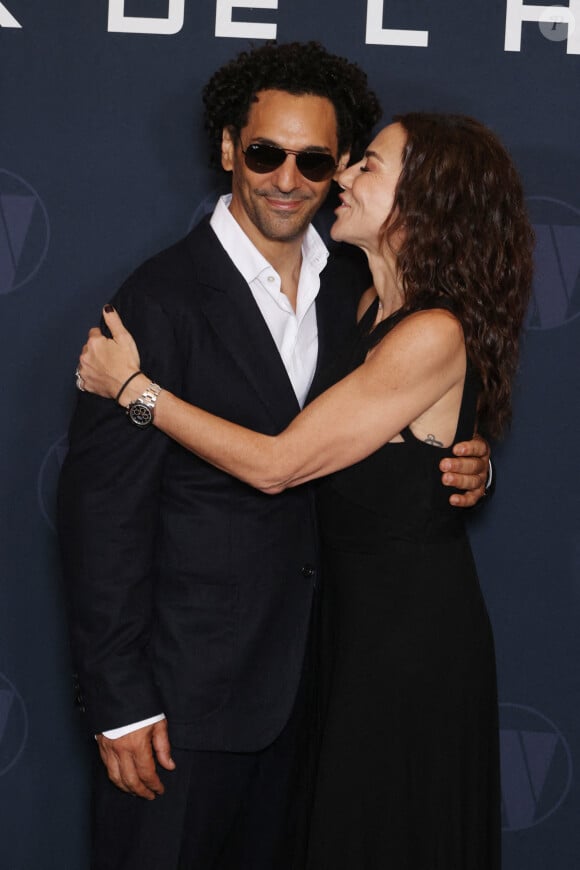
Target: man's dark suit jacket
column 190, row 592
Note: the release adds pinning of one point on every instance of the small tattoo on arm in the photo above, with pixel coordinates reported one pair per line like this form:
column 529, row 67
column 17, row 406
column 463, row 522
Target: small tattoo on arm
column 430, row 439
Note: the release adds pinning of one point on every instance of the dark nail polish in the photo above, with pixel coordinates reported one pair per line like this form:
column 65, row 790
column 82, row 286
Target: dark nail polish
column 109, row 308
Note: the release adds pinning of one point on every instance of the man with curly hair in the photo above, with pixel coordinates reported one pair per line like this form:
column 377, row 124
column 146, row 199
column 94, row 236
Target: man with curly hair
column 191, row 593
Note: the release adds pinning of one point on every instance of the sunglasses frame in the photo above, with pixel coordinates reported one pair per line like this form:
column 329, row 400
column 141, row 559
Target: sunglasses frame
column 310, row 175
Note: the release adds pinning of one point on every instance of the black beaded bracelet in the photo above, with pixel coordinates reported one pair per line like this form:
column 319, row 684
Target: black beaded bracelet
column 126, row 384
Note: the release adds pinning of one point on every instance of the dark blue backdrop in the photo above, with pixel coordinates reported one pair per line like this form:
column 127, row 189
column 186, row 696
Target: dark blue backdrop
column 102, row 162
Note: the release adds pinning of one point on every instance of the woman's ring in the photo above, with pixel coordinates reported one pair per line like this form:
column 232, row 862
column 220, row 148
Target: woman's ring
column 79, row 380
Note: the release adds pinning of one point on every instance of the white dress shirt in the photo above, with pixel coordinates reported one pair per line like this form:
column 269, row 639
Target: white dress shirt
column 295, row 333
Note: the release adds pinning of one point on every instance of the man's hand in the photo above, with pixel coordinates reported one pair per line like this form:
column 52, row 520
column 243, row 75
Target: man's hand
column 130, row 760
column 468, row 473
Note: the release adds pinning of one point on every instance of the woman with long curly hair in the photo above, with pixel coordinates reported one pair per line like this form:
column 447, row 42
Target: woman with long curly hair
column 408, row 768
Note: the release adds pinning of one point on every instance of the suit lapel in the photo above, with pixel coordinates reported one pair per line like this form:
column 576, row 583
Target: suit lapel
column 325, row 320
column 229, row 306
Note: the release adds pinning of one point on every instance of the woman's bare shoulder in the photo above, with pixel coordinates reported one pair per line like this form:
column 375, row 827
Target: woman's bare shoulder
column 429, row 334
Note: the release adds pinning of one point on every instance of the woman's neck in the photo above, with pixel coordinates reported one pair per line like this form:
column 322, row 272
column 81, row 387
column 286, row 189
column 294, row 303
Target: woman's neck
column 386, row 283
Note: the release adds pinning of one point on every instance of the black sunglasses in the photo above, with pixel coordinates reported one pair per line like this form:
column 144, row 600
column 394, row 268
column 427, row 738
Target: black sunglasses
column 313, row 165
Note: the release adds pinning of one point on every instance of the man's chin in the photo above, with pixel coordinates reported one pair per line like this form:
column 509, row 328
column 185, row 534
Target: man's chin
column 287, row 235
column 286, row 228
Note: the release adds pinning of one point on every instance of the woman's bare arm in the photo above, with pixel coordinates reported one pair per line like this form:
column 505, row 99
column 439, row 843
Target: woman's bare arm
column 412, row 369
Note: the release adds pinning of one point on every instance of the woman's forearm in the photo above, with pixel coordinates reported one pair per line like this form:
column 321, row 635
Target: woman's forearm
column 247, row 455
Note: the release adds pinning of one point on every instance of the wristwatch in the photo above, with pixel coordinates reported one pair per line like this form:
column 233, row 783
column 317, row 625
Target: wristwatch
column 141, row 410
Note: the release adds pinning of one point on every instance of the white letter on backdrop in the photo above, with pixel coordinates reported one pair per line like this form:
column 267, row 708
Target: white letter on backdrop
column 377, row 36
column 6, row 18
column 225, row 26
column 120, row 23
column 517, row 13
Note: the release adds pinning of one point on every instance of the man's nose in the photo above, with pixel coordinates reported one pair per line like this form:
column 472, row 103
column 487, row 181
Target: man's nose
column 288, row 176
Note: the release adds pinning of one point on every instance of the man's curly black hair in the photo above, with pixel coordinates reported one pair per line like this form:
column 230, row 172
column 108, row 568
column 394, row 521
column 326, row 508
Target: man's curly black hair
column 297, row 68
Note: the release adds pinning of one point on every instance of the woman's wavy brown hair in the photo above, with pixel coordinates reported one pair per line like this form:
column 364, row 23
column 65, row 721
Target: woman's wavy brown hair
column 466, row 236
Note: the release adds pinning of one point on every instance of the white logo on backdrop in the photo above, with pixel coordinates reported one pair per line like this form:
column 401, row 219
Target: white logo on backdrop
column 376, row 35
column 564, row 17
column 168, row 26
column 557, row 22
column 7, row 19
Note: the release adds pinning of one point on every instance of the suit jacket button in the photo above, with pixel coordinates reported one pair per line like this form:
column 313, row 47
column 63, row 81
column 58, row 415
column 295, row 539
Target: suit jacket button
column 308, row 571
column 78, row 695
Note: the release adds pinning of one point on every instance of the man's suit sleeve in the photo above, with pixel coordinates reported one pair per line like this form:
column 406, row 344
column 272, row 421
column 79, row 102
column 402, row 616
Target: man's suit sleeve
column 109, row 499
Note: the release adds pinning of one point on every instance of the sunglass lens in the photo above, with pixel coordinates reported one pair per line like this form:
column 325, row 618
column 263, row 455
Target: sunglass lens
column 264, row 158
column 315, row 166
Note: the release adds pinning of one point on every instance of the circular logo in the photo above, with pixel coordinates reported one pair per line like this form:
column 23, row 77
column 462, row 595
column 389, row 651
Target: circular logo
column 536, row 767
column 556, row 288
column 24, row 232
column 48, row 480
column 13, row 725
column 557, row 23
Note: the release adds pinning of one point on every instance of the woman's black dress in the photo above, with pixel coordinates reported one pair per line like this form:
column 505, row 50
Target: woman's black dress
column 408, row 770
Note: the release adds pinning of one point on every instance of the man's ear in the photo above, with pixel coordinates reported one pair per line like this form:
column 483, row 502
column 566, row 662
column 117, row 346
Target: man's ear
column 342, row 164
column 228, row 148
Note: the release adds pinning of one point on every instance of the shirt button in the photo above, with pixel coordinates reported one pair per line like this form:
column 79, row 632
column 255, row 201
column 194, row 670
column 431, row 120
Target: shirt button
column 308, row 571
column 271, row 278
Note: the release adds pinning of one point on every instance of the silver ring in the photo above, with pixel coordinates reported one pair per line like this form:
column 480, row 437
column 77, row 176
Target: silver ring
column 79, row 380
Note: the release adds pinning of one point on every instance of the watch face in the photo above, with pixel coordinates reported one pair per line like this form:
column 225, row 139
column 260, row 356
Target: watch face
column 140, row 414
